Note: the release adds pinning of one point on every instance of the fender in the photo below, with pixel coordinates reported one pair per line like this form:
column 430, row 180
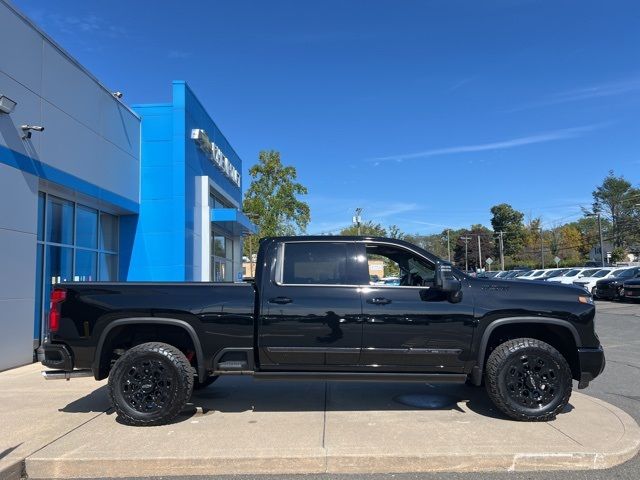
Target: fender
column 150, row 320
column 477, row 371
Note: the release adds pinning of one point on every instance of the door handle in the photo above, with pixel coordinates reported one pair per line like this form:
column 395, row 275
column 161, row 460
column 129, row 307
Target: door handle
column 378, row 300
column 280, row 300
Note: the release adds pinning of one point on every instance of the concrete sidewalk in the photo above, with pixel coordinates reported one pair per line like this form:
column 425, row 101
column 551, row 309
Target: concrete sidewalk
column 240, row 426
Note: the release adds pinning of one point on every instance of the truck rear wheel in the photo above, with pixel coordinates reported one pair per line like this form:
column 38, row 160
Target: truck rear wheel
column 528, row 379
column 150, row 384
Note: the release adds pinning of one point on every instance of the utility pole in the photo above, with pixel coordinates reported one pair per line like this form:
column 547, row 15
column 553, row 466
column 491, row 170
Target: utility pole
column 448, row 246
column 466, row 260
column 601, row 241
column 479, row 252
column 357, row 219
column 541, row 248
column 596, row 213
column 501, row 252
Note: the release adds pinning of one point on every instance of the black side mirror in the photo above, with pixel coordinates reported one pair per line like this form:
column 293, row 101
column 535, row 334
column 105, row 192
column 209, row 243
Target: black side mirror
column 446, row 282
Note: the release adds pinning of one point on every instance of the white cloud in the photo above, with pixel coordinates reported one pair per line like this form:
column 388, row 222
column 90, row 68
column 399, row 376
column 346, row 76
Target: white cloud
column 552, row 136
column 603, row 90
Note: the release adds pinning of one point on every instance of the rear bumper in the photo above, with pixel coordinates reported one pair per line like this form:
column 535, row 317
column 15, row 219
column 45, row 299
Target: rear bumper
column 57, row 356
column 592, row 363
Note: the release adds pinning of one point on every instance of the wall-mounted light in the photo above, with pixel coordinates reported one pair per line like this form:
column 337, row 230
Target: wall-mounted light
column 27, row 129
column 6, row 104
column 117, row 94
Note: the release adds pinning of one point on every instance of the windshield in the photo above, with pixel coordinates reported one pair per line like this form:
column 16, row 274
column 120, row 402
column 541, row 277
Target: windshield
column 600, row 273
column 628, row 273
column 557, row 273
column 589, row 273
column 572, row 273
column 617, row 273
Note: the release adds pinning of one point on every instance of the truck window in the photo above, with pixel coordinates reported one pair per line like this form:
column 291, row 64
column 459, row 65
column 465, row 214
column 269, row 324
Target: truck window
column 403, row 266
column 320, row 263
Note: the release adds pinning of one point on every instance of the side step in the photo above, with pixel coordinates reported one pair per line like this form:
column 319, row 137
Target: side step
column 233, row 367
column 66, row 375
column 367, row 377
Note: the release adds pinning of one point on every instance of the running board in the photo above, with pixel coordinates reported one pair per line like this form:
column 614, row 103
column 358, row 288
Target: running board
column 65, row 375
column 366, row 377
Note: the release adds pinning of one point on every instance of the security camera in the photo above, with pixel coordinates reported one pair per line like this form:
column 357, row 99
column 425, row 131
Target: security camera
column 117, row 94
column 28, row 128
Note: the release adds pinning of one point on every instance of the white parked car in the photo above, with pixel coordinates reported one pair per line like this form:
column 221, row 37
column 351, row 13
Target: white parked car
column 572, row 275
column 589, row 283
column 534, row 275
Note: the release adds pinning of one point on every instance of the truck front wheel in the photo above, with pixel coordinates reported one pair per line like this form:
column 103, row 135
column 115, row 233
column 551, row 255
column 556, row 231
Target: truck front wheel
column 528, row 379
column 150, row 384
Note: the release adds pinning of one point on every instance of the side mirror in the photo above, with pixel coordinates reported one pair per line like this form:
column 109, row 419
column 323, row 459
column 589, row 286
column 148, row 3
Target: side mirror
column 445, row 281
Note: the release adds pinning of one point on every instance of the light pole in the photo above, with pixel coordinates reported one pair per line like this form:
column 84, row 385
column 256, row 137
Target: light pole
column 596, row 213
column 448, row 246
column 501, row 251
column 357, row 219
column 466, row 260
column 479, row 253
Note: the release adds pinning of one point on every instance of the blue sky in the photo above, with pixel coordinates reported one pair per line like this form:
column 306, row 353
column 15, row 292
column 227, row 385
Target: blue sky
column 424, row 113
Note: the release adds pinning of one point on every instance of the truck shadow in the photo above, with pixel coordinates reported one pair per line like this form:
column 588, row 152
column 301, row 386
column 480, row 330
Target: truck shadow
column 243, row 394
column 236, row 395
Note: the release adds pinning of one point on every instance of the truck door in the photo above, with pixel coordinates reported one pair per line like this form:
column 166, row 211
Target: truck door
column 310, row 309
column 408, row 325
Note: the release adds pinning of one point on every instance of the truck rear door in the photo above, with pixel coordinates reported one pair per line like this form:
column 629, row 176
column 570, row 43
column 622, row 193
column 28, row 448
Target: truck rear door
column 310, row 308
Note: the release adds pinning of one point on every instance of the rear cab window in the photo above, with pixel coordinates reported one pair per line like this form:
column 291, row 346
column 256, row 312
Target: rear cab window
column 318, row 263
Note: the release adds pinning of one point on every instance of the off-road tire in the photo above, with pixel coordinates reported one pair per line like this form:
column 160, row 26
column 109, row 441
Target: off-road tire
column 503, row 375
column 198, row 385
column 158, row 367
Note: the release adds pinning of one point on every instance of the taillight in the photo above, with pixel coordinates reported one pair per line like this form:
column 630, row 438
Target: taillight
column 58, row 295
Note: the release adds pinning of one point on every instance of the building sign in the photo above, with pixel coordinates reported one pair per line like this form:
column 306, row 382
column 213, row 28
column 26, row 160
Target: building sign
column 213, row 152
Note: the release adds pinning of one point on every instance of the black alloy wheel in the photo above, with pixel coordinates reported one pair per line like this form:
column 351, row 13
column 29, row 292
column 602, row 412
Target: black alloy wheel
column 150, row 384
column 528, row 379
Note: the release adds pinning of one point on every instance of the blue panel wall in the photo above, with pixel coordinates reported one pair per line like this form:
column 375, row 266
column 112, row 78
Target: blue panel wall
column 162, row 237
column 158, row 247
column 197, row 163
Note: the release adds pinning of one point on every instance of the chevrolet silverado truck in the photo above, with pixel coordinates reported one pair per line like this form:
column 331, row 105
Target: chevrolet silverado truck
column 313, row 314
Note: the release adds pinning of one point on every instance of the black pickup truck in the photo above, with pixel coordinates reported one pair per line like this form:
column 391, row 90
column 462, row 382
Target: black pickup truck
column 314, row 314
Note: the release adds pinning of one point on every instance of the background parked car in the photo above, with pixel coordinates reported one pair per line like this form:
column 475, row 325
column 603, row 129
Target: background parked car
column 589, row 283
column 575, row 273
column 612, row 288
column 632, row 290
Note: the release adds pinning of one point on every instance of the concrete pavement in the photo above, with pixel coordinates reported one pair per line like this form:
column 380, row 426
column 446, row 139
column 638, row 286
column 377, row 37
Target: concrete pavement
column 240, row 426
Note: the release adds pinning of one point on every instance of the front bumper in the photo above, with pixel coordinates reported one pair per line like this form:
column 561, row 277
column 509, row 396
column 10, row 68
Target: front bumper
column 592, row 363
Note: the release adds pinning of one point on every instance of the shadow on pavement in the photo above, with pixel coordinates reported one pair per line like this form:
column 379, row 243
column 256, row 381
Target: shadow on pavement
column 96, row 401
column 7, row 451
column 236, row 395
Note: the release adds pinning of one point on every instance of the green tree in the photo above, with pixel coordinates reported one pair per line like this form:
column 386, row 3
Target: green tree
column 395, row 232
column 272, row 200
column 617, row 201
column 368, row 228
column 508, row 220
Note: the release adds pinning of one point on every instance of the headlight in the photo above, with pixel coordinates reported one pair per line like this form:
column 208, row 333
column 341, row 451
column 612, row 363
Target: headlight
column 585, row 299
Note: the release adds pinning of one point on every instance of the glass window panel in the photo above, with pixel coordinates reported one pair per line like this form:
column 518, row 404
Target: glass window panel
column 218, row 271
column 218, row 246
column 108, row 267
column 41, row 206
column 229, row 248
column 315, row 263
column 108, row 232
column 86, row 266
column 228, row 271
column 59, row 221
column 86, row 227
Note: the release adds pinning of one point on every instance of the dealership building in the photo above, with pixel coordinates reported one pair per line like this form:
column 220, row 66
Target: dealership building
column 94, row 190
